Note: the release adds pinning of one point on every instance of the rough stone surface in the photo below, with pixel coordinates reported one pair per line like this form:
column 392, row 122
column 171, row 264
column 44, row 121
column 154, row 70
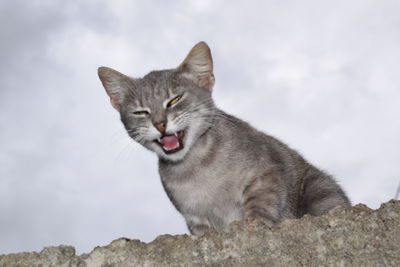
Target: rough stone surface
column 357, row 236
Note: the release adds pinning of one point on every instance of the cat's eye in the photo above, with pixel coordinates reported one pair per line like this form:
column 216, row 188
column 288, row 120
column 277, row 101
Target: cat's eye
column 174, row 101
column 141, row 112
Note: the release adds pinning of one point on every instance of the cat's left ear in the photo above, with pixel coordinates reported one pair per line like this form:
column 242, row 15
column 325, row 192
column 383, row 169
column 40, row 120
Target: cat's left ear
column 198, row 66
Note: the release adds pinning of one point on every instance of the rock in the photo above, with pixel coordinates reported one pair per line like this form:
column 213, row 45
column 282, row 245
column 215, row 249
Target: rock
column 357, row 236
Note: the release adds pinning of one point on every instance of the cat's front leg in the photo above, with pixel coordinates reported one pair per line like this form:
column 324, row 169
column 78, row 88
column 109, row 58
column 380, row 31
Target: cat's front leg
column 198, row 229
column 264, row 198
column 197, row 226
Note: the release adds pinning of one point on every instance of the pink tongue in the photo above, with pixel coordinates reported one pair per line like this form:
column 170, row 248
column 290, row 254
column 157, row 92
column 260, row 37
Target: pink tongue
column 170, row 141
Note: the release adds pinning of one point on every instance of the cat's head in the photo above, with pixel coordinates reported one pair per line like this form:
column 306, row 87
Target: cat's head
column 166, row 111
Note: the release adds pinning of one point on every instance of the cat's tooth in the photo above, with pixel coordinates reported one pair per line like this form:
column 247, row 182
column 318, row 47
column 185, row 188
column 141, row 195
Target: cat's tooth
column 176, row 134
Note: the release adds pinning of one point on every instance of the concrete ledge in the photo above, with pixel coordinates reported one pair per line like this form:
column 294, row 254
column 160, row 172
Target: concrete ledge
column 357, row 236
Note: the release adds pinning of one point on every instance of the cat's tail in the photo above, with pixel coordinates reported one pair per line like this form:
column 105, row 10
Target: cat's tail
column 322, row 193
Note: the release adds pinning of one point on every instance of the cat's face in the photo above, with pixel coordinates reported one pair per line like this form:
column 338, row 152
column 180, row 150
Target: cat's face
column 166, row 111
column 166, row 114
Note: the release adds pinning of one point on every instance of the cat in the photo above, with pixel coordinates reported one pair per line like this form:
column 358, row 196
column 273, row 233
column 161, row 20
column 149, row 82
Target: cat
column 214, row 167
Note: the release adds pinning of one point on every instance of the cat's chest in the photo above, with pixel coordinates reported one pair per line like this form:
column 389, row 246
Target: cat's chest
column 204, row 194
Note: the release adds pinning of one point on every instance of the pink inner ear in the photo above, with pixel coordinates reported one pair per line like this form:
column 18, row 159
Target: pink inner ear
column 206, row 81
column 198, row 66
column 115, row 100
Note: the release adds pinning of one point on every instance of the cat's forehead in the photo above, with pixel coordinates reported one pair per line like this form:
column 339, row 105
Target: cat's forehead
column 160, row 80
column 157, row 84
column 155, row 87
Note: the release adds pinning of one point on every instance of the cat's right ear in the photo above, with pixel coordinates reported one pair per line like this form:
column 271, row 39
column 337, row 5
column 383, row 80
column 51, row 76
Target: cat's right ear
column 116, row 85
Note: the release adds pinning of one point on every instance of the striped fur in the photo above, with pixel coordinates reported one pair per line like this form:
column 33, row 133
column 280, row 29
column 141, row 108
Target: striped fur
column 226, row 169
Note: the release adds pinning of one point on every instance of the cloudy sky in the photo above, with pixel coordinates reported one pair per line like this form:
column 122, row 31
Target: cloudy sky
column 323, row 76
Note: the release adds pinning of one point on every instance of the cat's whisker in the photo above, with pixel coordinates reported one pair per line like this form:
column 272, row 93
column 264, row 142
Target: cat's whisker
column 127, row 147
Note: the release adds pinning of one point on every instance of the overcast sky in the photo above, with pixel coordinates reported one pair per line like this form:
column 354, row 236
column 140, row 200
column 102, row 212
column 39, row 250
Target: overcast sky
column 323, row 76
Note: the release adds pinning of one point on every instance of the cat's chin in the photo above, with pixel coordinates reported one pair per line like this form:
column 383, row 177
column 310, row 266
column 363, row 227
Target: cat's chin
column 176, row 157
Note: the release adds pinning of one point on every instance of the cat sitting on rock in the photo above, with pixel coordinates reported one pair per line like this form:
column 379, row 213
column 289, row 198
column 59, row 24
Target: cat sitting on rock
column 214, row 167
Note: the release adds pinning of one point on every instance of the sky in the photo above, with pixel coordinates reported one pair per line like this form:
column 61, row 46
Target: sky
column 322, row 76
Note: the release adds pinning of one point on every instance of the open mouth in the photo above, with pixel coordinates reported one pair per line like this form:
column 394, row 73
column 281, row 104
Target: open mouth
column 171, row 143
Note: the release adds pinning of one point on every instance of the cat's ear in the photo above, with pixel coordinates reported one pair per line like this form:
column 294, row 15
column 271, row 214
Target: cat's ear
column 198, row 66
column 116, row 85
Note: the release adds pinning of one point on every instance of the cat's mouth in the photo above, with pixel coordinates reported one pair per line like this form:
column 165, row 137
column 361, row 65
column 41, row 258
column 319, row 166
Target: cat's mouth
column 171, row 143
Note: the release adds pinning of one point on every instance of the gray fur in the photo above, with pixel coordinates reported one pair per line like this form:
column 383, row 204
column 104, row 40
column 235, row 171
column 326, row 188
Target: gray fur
column 227, row 170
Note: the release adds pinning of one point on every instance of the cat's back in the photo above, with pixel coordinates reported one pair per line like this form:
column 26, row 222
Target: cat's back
column 253, row 147
column 309, row 190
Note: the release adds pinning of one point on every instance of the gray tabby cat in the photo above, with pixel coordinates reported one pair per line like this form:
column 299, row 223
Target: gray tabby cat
column 215, row 168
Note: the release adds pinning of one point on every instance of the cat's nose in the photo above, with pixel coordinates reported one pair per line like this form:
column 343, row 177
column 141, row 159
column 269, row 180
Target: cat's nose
column 161, row 126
